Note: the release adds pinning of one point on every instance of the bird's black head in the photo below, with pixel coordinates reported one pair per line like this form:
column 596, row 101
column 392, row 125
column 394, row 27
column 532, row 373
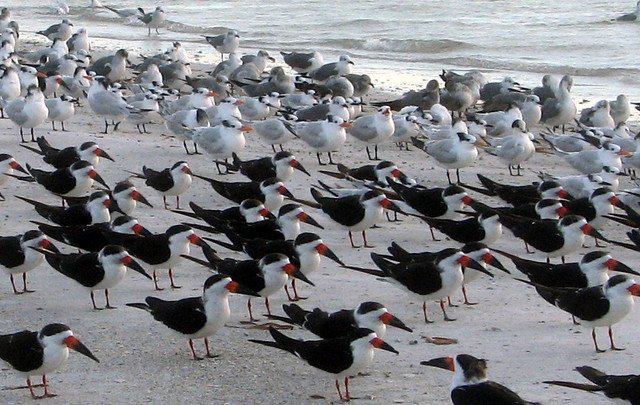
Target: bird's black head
column 177, row 164
column 87, row 145
column 453, row 190
column 384, row 165
column 368, row 306
column 96, row 195
column 287, row 208
column 250, row 203
column 272, row 258
column 472, row 367
column 111, row 250
column 617, row 279
column 548, row 185
column 568, row 220
column 53, row 329
column 122, row 186
column 82, row 164
column 473, row 247
column 176, row 229
column 306, row 237
column 593, row 256
column 282, row 155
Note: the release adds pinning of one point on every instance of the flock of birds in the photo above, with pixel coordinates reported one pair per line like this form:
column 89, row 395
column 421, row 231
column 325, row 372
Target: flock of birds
column 319, row 106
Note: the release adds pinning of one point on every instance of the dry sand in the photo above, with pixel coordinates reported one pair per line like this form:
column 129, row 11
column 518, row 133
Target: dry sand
column 525, row 339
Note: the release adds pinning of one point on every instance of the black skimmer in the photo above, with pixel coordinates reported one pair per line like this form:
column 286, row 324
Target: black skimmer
column 437, row 202
column 265, row 276
column 16, row 256
column 160, row 251
column 591, row 271
column 94, row 211
column 520, row 194
column 377, row 174
column 357, row 212
column 196, row 317
column 369, row 315
column 281, row 166
column 7, row 167
column 470, row 385
column 599, row 306
column 475, row 250
column 270, row 192
column 62, row 158
column 73, row 181
column 284, row 227
column 484, row 228
column 304, row 252
column 426, row 280
column 554, row 238
column 342, row 357
column 547, row 208
column 171, row 181
column 594, row 208
column 248, row 211
column 41, row 353
column 91, row 237
column 621, row 389
column 96, row 271
column 124, row 199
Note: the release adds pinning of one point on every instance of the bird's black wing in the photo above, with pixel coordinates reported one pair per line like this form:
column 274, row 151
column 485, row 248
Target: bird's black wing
column 185, row 316
column 22, row 350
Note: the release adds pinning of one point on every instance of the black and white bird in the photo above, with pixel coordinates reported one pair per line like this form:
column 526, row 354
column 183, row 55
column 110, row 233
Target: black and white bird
column 16, row 255
column 271, row 192
column 8, row 165
column 154, row 19
column 159, row 251
column 620, row 389
column 264, row 277
column 62, row 158
column 356, row 213
column 599, row 306
column 196, row 317
column 281, row 166
column 470, row 385
column 369, row 315
column 342, row 357
column 436, row 279
column 94, row 211
column 91, row 237
column 520, row 194
column 171, row 181
column 96, row 271
column 40, row 353
column 73, row 181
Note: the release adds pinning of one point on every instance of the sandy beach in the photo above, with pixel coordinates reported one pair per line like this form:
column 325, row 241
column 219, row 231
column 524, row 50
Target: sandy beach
column 525, row 340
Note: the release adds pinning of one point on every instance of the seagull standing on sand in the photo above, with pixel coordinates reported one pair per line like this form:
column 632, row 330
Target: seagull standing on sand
column 61, row 31
column 560, row 110
column 225, row 43
column 154, row 19
column 375, row 128
column 29, row 111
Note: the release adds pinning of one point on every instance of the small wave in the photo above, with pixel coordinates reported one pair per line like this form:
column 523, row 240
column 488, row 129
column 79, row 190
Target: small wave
column 417, row 46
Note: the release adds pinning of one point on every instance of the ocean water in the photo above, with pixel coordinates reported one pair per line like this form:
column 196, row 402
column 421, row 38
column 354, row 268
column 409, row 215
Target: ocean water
column 400, row 45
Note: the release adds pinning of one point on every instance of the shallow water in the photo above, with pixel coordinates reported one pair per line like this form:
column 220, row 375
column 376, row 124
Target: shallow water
column 404, row 44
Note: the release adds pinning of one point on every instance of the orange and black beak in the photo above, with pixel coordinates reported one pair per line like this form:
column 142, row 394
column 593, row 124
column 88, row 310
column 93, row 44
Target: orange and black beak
column 140, row 230
column 306, row 218
column 390, row 205
column 196, row 240
column 634, row 290
column 591, row 231
column 95, row 176
column 136, row 196
column 562, row 211
column 466, row 261
column 391, row 320
column 296, row 165
column 492, row 261
column 238, row 288
column 381, row 344
column 325, row 251
column 295, row 272
column 616, row 201
column 73, row 343
column 441, row 362
column 285, row 192
column 614, row 265
column 102, row 153
column 135, row 266
column 16, row 166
